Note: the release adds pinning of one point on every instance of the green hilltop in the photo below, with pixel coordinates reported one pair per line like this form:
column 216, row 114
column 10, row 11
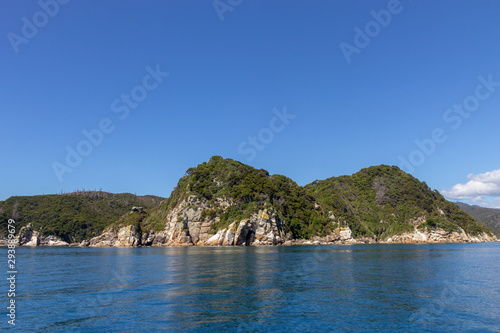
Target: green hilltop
column 248, row 190
column 381, row 201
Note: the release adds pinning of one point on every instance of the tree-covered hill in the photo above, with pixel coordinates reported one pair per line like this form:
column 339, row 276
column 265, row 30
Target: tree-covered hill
column 70, row 216
column 381, row 201
column 247, row 190
column 377, row 202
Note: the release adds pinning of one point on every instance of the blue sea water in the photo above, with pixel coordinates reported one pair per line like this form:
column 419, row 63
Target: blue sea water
column 371, row 288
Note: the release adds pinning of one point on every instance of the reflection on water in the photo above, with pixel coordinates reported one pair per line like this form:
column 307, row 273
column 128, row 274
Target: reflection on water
column 256, row 289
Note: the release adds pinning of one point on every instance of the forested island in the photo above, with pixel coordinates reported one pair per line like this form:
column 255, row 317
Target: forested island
column 225, row 202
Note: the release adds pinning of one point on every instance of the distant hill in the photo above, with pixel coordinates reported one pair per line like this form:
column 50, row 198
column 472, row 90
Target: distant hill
column 71, row 216
column 489, row 216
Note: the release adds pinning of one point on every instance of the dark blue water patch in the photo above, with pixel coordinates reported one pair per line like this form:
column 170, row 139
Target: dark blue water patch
column 372, row 288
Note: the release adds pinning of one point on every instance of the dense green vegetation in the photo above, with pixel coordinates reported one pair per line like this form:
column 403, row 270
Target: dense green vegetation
column 249, row 190
column 376, row 202
column 383, row 200
column 72, row 216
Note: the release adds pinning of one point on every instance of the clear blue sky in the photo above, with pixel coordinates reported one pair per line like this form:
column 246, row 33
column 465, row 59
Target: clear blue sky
column 226, row 76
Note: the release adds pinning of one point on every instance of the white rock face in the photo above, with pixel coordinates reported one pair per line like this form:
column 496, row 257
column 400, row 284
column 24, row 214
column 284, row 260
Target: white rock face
column 124, row 237
column 52, row 241
column 29, row 237
column 187, row 224
column 345, row 234
column 420, row 236
column 34, row 241
column 263, row 228
column 129, row 236
column 439, row 236
column 218, row 238
column 230, row 235
column 338, row 236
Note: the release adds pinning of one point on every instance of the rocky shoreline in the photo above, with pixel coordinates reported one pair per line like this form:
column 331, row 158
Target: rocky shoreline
column 260, row 230
column 29, row 237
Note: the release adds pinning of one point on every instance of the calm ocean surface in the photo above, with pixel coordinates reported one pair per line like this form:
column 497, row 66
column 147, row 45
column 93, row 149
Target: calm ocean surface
column 412, row 288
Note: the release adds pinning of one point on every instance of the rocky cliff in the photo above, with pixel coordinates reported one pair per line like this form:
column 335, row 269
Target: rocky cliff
column 261, row 229
column 186, row 224
column 439, row 236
